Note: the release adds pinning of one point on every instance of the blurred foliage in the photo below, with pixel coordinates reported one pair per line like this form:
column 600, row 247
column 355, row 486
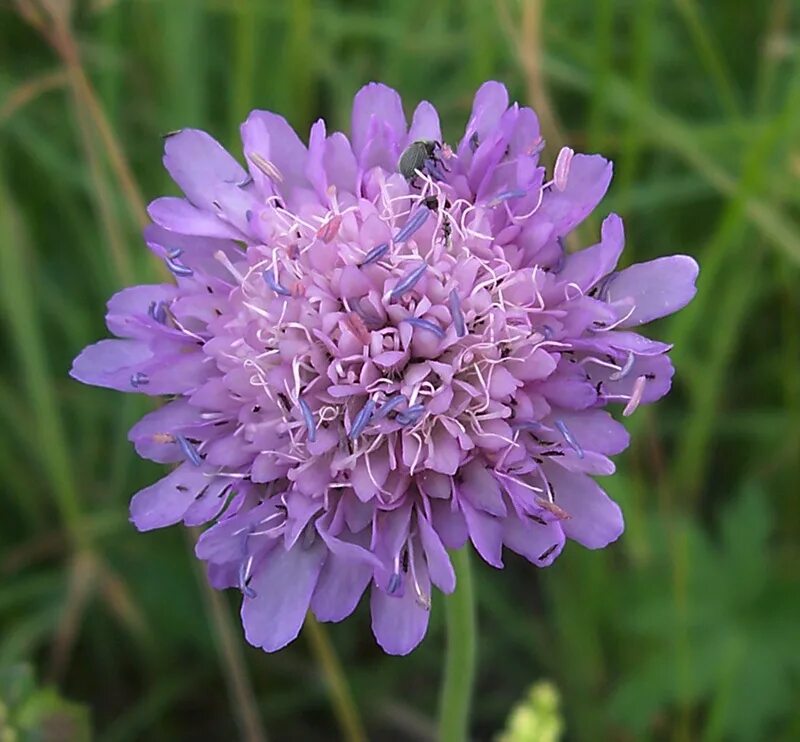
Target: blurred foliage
column 32, row 714
column 536, row 718
column 686, row 629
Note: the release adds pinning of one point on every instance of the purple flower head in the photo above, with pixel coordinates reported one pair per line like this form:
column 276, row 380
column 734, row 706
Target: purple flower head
column 366, row 369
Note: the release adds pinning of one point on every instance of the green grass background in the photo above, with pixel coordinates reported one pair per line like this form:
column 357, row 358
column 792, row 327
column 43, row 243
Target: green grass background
column 687, row 629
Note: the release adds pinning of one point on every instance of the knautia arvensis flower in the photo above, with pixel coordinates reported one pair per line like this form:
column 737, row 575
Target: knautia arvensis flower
column 376, row 349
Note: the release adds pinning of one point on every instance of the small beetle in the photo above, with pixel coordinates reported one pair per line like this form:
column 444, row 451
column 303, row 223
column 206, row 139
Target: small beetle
column 423, row 155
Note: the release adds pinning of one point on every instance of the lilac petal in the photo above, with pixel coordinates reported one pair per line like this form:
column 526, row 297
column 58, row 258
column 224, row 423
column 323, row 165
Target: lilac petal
column 197, row 252
column 657, row 288
column 340, row 163
column 209, row 504
column 586, row 267
column 538, row 543
column 400, row 622
column 178, row 215
column 538, row 365
column 284, row 584
column 444, row 451
column 595, row 519
column 596, row 430
column 197, row 163
column 110, row 363
column 134, row 302
column 315, row 168
column 588, row 182
column 269, row 136
column 425, row 124
column 481, row 489
column 378, row 103
column 148, row 434
column 450, row 524
column 224, row 541
column 486, row 534
column 439, row 565
column 489, row 104
column 300, row 510
column 165, row 502
column 340, row 587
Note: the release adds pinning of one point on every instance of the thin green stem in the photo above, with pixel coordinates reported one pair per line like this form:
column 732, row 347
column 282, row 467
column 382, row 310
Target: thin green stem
column 344, row 707
column 459, row 668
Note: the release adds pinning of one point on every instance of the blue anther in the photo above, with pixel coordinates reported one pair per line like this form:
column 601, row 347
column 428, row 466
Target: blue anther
column 139, row 379
column 179, row 269
column 409, row 280
column 394, row 583
column 505, row 196
column 375, row 254
column 362, row 419
column 308, row 418
column 424, row 324
column 189, row 451
column 457, row 315
column 269, row 279
column 389, row 405
column 411, row 415
column 412, row 225
column 158, row 311
column 568, row 437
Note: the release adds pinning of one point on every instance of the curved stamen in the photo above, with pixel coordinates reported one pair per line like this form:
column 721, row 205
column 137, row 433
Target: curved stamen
column 179, row 269
column 625, row 370
column 568, row 437
column 457, row 315
column 412, row 225
column 308, row 418
column 636, row 396
column 362, row 419
column 409, row 280
column 424, row 324
column 158, row 311
column 189, row 451
column 272, row 282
